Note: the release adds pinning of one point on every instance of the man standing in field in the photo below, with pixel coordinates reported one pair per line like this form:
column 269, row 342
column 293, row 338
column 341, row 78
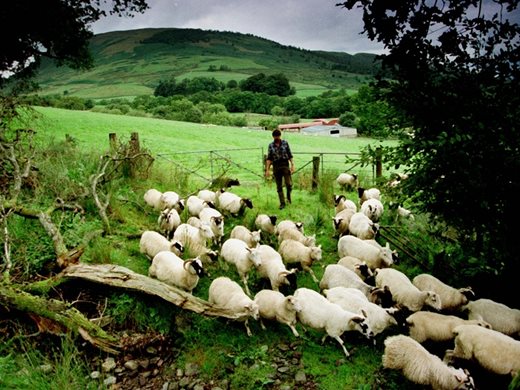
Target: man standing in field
column 280, row 157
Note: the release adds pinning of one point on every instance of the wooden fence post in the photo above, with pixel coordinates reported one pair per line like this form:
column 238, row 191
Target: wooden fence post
column 112, row 138
column 135, row 149
column 315, row 172
column 379, row 162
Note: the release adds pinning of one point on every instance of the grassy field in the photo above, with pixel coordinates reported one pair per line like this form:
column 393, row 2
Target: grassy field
column 220, row 348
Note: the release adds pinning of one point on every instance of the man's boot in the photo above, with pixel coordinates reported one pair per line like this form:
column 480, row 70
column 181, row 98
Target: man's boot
column 282, row 199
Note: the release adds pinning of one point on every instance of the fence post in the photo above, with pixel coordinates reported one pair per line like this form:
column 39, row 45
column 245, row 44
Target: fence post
column 379, row 162
column 135, row 149
column 315, row 172
column 112, row 139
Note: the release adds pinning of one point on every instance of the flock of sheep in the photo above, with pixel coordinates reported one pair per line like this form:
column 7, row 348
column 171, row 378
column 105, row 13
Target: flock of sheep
column 362, row 292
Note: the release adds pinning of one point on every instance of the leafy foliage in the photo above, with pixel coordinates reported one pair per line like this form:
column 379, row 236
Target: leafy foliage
column 456, row 70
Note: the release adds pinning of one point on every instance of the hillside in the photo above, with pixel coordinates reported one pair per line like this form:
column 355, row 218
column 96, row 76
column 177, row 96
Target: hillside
column 130, row 63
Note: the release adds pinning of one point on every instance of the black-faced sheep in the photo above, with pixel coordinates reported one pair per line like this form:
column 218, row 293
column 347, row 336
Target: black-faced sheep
column 360, row 267
column 319, row 313
column 266, row 223
column 171, row 269
column 342, row 203
column 371, row 193
column 341, row 222
column 420, row 366
column 373, row 209
column 152, row 198
column 347, row 181
column 237, row 252
column 404, row 292
column 228, row 294
column 427, row 325
column 493, row 350
column 168, row 221
column 153, row 242
column 194, row 204
column 274, row 269
column 233, row 204
column 171, row 200
column 251, row 238
column 215, row 220
column 362, row 227
column 336, row 275
column 273, row 305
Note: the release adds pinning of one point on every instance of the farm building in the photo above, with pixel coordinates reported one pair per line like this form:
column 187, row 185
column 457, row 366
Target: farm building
column 297, row 127
column 330, row 130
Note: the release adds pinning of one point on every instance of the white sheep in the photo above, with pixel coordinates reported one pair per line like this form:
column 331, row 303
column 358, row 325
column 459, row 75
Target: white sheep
column 207, row 195
column 374, row 257
column 153, row 242
column 171, row 269
column 273, row 268
column 288, row 224
column 215, row 219
column 251, row 238
column 451, row 298
column 347, row 181
column 371, row 193
column 228, row 294
column 168, row 221
column 233, row 204
column 360, row 267
column 427, row 325
column 237, row 252
column 502, row 318
column 341, row 221
column 273, row 305
column 318, row 313
column 266, row 223
column 336, row 275
column 376, row 244
column 420, row 366
column 362, row 227
column 191, row 236
column 152, row 198
column 172, row 200
column 194, row 204
column 355, row 301
column 293, row 234
column 404, row 292
column 342, row 203
column 373, row 209
column 493, row 350
column 293, row 251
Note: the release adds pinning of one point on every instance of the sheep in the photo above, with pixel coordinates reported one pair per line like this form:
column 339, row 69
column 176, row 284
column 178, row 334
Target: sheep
column 418, row 365
column 228, row 294
column 251, row 238
column 191, row 236
column 153, row 242
column 293, row 251
column 373, row 209
column 168, row 221
column 427, row 325
column 273, row 268
column 237, row 252
column 196, row 204
column 194, row 221
column 359, row 267
column 393, row 253
column 501, row 317
column 371, row 193
column 336, row 275
column 404, row 213
column 491, row 349
column 171, row 199
column 266, row 223
column 353, row 300
column 273, row 305
column 288, row 224
column 214, row 219
column 152, row 198
column 318, row 313
column 404, row 292
column 451, row 298
column 347, row 181
column 362, row 227
column 233, row 204
column 171, row 269
column 341, row 222
column 342, row 203
column 208, row 196
column 374, row 257
column 293, row 234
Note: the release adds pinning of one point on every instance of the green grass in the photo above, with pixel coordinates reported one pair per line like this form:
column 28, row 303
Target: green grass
column 221, row 348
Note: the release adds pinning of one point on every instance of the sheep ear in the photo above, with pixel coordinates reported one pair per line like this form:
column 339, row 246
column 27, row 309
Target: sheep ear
column 357, row 319
column 364, row 313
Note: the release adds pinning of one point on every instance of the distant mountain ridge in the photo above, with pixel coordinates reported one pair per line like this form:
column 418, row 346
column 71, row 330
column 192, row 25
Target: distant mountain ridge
column 131, row 63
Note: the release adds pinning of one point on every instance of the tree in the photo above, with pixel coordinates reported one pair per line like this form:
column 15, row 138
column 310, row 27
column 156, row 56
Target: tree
column 454, row 67
column 56, row 29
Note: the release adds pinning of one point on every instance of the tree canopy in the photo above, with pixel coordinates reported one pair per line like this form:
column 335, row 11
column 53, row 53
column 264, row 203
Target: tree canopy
column 454, row 67
column 57, row 29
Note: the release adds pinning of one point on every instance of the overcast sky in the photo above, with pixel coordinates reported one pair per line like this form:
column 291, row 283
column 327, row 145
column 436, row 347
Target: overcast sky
column 307, row 24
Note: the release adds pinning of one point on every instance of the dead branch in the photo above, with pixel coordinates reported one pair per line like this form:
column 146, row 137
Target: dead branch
column 101, row 205
column 117, row 276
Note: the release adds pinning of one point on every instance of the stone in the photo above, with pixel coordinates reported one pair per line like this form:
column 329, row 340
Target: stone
column 110, row 380
column 108, row 365
column 300, row 376
column 191, row 369
column 131, row 365
column 95, row 374
column 45, row 368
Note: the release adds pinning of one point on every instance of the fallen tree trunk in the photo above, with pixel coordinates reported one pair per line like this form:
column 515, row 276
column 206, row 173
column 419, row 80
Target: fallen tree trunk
column 117, row 276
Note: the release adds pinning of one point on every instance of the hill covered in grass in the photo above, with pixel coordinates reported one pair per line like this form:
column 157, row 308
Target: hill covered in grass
column 131, row 63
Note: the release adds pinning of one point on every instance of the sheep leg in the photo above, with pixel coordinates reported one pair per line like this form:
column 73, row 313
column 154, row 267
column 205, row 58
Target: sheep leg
column 262, row 325
column 338, row 339
column 295, row 332
column 311, row 272
column 247, row 329
column 246, row 287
